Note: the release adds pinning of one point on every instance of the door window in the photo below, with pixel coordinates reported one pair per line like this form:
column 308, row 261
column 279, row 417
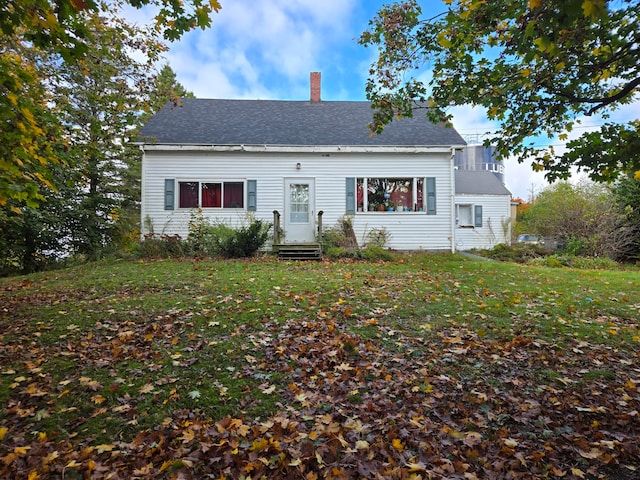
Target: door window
column 299, row 202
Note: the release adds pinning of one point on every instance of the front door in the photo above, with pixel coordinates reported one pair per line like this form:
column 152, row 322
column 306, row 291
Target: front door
column 299, row 207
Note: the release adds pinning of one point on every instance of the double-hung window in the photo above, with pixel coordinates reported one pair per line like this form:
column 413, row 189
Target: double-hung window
column 211, row 194
column 468, row 215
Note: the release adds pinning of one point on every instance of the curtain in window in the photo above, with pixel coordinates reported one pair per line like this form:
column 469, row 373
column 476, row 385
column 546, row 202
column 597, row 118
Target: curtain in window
column 233, row 195
column 211, row 195
column 188, row 194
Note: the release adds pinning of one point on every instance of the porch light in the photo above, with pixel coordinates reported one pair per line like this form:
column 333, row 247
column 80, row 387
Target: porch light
column 298, row 166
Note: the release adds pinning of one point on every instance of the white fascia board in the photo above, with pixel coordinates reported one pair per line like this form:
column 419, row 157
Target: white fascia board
column 300, row 148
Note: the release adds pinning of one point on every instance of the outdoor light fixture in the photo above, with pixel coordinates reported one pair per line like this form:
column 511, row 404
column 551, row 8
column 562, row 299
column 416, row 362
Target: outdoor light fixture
column 298, row 166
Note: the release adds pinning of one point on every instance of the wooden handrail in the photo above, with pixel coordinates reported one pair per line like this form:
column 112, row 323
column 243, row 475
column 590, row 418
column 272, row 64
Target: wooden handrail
column 277, row 232
column 320, row 213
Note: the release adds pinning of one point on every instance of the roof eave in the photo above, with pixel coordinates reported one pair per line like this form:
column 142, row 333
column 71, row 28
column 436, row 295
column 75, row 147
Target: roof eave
column 173, row 147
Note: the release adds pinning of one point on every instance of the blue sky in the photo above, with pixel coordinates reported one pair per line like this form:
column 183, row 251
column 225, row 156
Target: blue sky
column 265, row 49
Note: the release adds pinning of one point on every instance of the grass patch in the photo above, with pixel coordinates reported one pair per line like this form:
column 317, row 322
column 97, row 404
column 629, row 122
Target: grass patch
column 179, row 352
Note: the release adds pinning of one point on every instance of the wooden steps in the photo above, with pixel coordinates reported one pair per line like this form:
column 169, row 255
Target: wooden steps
column 299, row 251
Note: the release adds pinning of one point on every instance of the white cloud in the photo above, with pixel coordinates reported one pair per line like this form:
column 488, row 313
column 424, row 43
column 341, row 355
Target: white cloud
column 260, row 48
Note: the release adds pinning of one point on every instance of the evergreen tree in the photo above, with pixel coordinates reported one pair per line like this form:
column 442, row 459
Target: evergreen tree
column 164, row 88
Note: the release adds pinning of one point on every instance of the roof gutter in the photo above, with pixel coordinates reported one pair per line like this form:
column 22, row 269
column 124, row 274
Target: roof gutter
column 299, row 148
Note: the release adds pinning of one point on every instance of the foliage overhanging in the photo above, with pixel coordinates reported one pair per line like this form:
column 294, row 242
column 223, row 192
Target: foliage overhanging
column 535, row 66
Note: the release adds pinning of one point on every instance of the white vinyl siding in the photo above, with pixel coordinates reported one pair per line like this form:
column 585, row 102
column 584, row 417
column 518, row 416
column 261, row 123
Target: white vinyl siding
column 495, row 225
column 408, row 230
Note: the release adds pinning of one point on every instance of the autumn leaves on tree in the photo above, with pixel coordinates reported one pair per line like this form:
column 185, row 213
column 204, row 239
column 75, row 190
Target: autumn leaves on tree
column 536, row 67
column 75, row 82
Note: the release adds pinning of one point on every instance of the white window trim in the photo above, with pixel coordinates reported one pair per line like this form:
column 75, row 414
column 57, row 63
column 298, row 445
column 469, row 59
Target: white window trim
column 471, row 216
column 216, row 180
column 414, row 193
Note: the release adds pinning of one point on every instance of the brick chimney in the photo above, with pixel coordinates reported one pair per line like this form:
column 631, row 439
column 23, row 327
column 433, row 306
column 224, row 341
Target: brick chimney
column 315, row 86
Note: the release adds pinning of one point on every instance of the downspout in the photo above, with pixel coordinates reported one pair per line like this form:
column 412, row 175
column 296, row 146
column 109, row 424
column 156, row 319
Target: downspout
column 143, row 204
column 452, row 206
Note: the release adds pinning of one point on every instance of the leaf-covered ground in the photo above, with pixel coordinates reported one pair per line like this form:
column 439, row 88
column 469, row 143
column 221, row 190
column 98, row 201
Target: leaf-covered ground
column 434, row 366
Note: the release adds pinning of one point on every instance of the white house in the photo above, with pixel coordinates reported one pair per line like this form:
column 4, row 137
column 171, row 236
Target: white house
column 305, row 162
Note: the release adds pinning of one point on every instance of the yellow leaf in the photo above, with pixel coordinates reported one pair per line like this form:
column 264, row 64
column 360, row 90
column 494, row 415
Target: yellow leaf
column 72, row 464
column 259, row 445
column 416, row 467
column 105, row 448
column 362, row 445
column 444, row 41
column 3, row 432
column 51, row 457
column 397, row 444
column 534, row 4
column 577, row 472
column 594, row 8
column 637, row 175
column 510, row 442
column 33, row 475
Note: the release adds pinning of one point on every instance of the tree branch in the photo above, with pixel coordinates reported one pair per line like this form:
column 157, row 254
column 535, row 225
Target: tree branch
column 601, row 102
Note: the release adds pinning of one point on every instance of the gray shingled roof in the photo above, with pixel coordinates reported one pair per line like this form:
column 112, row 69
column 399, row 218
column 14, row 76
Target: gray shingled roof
column 479, row 182
column 274, row 122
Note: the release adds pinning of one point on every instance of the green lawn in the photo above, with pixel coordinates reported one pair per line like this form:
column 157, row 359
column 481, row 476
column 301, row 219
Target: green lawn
column 431, row 366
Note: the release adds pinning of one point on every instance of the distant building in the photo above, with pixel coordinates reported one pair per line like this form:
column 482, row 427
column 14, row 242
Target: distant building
column 479, row 158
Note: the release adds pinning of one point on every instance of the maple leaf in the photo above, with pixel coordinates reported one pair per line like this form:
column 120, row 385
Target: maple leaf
column 268, row 390
column 416, row 467
column 344, row 367
column 147, row 388
column 397, row 444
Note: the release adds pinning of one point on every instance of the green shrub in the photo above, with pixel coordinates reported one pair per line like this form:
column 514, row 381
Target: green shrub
column 225, row 241
column 377, row 253
column 341, row 235
column 340, row 242
column 160, row 246
column 335, row 253
column 572, row 261
column 199, row 238
column 518, row 253
column 574, row 245
column 244, row 241
column 370, row 254
column 377, row 237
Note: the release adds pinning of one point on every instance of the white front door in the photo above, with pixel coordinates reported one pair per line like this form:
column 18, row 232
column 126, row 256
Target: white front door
column 299, row 210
